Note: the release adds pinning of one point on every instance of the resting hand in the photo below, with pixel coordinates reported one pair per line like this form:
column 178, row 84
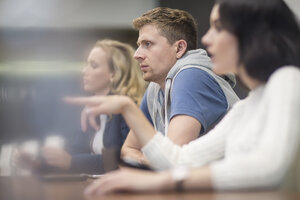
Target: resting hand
column 23, row 160
column 122, row 180
column 57, row 157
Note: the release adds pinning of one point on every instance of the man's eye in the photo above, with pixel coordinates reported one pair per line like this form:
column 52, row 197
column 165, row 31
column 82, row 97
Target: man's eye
column 147, row 44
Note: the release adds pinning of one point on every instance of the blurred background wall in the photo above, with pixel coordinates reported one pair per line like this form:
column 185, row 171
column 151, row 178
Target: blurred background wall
column 44, row 45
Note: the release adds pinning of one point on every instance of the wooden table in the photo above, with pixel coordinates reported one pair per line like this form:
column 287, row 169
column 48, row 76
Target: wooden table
column 32, row 188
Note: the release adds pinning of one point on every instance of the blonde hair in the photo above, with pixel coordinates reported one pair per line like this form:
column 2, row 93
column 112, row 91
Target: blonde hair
column 127, row 77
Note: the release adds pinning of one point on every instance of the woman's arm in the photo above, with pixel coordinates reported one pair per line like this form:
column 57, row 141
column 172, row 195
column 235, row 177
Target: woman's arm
column 146, row 181
column 115, row 104
column 278, row 129
column 161, row 152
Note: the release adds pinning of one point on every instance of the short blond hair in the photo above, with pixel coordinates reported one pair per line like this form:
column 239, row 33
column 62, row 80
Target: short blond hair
column 127, row 77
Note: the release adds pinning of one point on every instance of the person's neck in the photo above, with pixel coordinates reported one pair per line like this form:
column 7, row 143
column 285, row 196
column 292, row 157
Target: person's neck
column 162, row 86
column 103, row 92
column 250, row 82
column 160, row 82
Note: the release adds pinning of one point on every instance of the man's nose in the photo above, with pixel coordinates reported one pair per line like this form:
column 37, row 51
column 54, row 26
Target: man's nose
column 138, row 55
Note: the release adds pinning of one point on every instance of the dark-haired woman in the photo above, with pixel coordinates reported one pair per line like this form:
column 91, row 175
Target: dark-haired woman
column 256, row 143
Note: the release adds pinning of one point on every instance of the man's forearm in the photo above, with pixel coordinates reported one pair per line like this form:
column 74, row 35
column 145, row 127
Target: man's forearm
column 133, row 154
column 132, row 149
column 137, row 122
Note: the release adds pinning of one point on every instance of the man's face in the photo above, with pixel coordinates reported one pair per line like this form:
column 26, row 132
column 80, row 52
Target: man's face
column 155, row 54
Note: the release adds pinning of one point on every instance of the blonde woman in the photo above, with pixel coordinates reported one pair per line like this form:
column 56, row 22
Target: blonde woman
column 110, row 69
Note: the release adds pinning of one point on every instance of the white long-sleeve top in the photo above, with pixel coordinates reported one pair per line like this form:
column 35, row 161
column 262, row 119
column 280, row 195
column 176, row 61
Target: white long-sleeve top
column 252, row 147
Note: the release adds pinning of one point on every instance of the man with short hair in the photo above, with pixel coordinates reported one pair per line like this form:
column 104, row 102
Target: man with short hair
column 184, row 98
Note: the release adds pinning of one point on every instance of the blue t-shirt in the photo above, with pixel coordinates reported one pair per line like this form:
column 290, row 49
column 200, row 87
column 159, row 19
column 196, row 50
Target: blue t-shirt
column 197, row 94
column 144, row 108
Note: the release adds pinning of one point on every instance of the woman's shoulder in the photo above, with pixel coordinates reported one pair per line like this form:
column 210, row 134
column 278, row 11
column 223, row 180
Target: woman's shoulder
column 285, row 80
column 286, row 73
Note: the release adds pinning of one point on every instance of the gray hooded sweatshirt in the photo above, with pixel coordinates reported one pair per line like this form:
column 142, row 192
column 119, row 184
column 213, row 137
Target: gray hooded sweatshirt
column 160, row 113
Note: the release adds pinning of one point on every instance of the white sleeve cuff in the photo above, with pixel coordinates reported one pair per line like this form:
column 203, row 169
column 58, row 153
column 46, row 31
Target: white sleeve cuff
column 155, row 152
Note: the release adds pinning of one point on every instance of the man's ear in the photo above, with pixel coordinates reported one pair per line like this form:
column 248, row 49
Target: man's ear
column 181, row 48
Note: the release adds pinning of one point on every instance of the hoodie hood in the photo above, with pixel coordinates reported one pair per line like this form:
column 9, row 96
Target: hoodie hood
column 197, row 57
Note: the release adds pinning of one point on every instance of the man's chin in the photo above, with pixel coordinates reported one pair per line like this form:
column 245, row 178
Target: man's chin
column 147, row 78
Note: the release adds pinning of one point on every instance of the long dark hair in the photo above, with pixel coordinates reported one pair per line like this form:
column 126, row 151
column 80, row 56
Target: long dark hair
column 268, row 34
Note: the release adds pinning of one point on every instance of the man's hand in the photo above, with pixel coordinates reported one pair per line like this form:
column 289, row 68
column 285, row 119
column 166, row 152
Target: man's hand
column 131, row 149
